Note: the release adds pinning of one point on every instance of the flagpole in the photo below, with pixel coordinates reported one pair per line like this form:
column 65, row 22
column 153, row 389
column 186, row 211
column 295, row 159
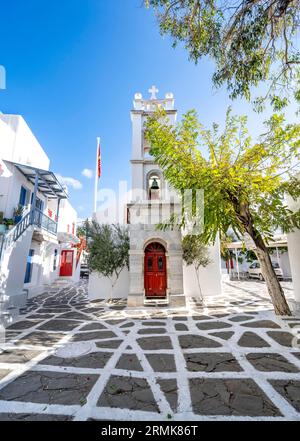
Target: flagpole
column 96, row 178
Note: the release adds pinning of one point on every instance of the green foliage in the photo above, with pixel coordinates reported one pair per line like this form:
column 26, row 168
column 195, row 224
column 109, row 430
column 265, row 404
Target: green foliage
column 194, row 251
column 244, row 182
column 250, row 41
column 108, row 247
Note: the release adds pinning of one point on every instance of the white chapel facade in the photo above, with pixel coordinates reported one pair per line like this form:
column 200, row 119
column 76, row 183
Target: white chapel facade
column 157, row 273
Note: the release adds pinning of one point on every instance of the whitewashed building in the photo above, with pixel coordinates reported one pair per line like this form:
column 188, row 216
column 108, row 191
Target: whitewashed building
column 157, row 274
column 39, row 246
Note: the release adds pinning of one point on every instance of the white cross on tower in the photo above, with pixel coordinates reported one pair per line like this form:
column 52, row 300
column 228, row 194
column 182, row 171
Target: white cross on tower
column 153, row 92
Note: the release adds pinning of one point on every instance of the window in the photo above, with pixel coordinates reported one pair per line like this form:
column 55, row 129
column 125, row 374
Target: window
column 24, row 196
column 150, row 263
column 39, row 204
column 160, row 263
column 29, row 266
column 55, row 260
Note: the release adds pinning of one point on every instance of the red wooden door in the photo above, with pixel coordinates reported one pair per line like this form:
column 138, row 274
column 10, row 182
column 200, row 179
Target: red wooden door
column 66, row 263
column 155, row 271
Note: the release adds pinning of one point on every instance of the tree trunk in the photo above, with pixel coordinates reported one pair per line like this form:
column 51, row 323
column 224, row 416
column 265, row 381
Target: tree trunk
column 198, row 281
column 275, row 290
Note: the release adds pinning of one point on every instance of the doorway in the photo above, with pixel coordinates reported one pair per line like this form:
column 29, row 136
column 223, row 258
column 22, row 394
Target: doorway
column 155, row 271
column 66, row 263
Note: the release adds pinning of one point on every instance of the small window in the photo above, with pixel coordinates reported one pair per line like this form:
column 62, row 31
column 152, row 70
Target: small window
column 150, row 263
column 160, row 263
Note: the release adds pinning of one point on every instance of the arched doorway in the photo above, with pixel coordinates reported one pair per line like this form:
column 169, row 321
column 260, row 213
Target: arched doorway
column 155, row 270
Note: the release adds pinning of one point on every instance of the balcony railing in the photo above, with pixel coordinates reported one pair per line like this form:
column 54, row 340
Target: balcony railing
column 44, row 222
column 33, row 217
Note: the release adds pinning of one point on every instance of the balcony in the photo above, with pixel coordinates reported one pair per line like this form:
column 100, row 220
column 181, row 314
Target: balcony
column 44, row 222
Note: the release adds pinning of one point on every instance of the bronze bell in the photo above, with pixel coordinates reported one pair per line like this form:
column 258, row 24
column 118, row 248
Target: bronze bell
column 154, row 185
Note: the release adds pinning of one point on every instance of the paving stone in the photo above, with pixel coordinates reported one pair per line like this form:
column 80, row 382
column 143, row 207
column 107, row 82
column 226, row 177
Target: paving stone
column 201, row 317
column 93, row 360
column 181, row 327
column 282, row 337
column 129, row 362
column 49, row 388
column 127, row 325
column 170, row 390
column 236, row 397
column 96, row 335
column 262, row 324
column 114, row 344
column 155, row 343
column 271, row 363
column 40, row 338
column 17, row 356
column 180, row 318
column 25, row 324
column 93, row 327
column 290, row 390
column 154, row 323
column 152, row 331
column 226, row 335
column 221, row 315
column 252, row 340
column 59, row 325
column 212, row 362
column 240, row 318
column 197, row 341
column 128, row 393
column 162, row 362
column 115, row 322
column 90, row 310
column 205, row 326
column 33, row 417
column 3, row 373
column 74, row 315
column 41, row 316
column 294, row 325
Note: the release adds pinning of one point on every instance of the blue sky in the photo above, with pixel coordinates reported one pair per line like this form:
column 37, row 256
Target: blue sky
column 73, row 67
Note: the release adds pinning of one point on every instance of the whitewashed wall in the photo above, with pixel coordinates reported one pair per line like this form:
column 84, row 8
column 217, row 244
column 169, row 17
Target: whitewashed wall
column 99, row 287
column 294, row 250
column 210, row 277
column 18, row 143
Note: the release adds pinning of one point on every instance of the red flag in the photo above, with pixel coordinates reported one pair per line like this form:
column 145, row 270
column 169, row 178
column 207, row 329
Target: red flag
column 99, row 161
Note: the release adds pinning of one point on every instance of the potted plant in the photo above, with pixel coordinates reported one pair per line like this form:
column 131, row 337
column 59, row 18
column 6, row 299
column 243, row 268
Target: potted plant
column 9, row 223
column 18, row 213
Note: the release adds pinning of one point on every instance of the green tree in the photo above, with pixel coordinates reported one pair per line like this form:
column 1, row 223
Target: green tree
column 195, row 252
column 244, row 182
column 108, row 247
column 251, row 41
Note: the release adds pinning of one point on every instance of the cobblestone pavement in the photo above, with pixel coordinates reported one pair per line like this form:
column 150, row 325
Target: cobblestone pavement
column 70, row 359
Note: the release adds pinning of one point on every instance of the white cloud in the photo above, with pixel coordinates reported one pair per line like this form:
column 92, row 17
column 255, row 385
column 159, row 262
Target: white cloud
column 88, row 173
column 69, row 182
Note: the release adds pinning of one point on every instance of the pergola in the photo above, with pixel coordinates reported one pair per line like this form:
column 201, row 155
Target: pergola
column 278, row 242
column 44, row 181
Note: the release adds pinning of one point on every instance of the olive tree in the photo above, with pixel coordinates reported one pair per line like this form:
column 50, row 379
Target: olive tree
column 108, row 248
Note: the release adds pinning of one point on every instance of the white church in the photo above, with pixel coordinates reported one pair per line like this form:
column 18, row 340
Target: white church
column 157, row 274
